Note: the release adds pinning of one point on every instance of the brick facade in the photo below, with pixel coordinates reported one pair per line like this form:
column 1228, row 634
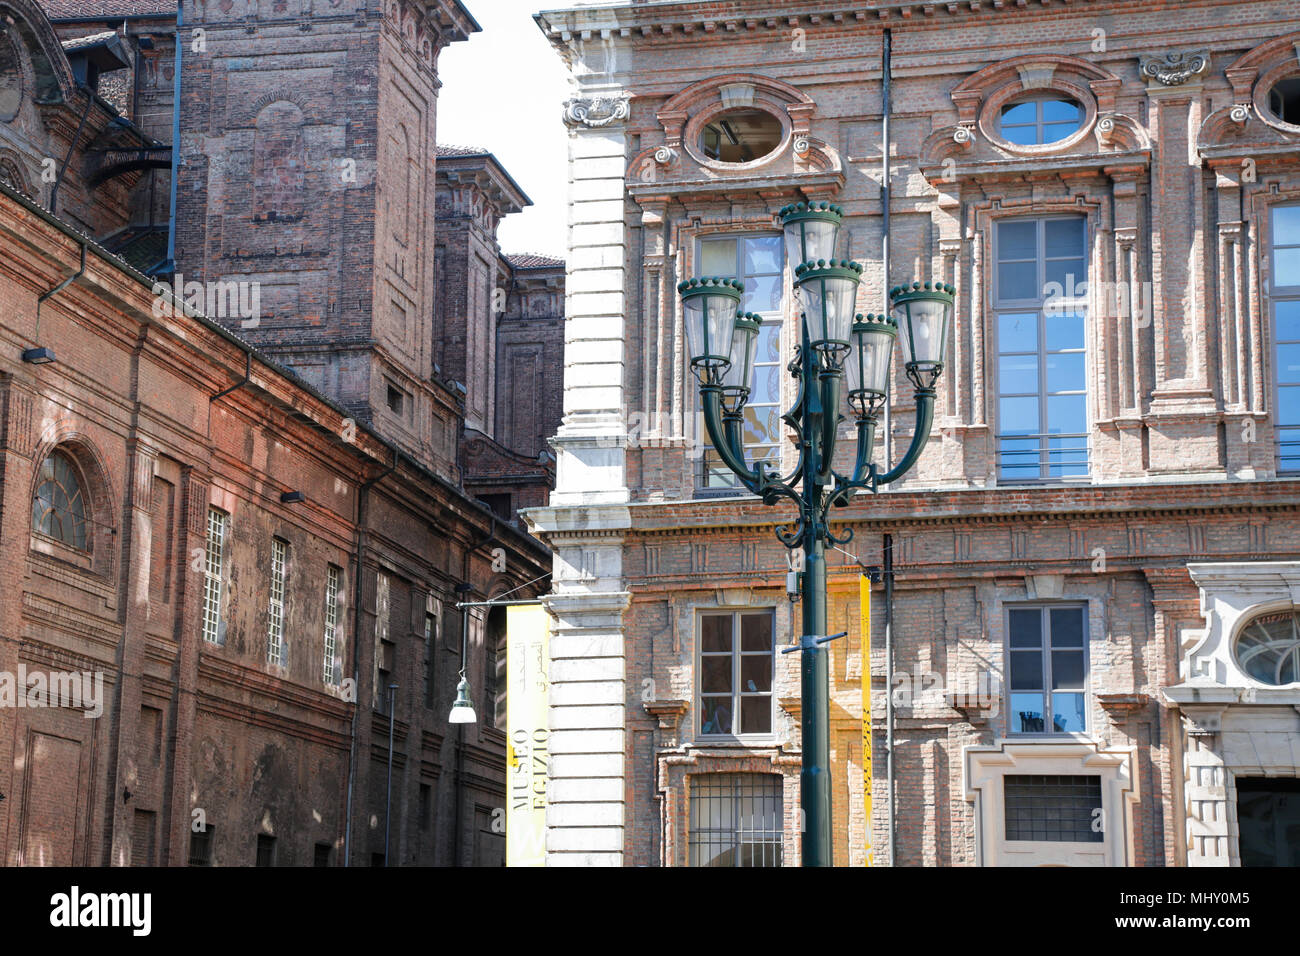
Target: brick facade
column 245, row 682
column 1182, row 530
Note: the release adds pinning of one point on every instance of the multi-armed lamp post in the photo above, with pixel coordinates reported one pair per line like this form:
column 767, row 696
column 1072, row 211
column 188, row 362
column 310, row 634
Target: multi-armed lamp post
column 838, row 349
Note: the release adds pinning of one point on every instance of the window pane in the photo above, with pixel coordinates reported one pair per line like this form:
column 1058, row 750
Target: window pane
column 756, row 632
column 1066, row 625
column 715, row 633
column 1018, row 374
column 1020, row 135
column 756, row 715
column 1026, row 627
column 1288, row 364
column 1027, row 713
column 1017, row 240
column 715, row 715
column 718, row 257
column 1063, row 237
column 1018, row 280
column 1068, row 274
column 1287, row 316
column 1018, row 458
column 1286, row 226
column 1067, row 713
column 1066, row 414
column 1067, row 670
column 1056, row 111
column 1026, row 670
column 1018, row 416
column 1018, row 332
column 1065, row 372
column 762, row 294
column 1288, row 402
column 756, row 673
column 1019, row 113
column 1064, row 332
column 1286, row 267
column 715, row 674
column 761, row 424
column 763, row 254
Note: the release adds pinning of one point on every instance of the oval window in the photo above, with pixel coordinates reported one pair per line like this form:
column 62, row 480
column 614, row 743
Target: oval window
column 1284, row 100
column 1038, row 120
column 741, row 136
column 1268, row 648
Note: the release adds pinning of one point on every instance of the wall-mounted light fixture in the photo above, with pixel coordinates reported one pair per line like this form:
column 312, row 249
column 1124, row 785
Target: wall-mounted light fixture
column 38, row 356
column 292, row 497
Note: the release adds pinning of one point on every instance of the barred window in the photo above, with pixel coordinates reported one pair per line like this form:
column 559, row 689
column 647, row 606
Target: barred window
column 59, row 506
column 1053, row 809
column 736, row 819
column 213, row 572
column 331, row 662
column 275, row 613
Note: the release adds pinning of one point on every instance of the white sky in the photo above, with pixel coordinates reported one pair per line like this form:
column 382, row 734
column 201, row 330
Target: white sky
column 503, row 90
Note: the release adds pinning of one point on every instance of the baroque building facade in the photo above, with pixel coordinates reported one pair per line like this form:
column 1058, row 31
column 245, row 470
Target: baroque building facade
column 1093, row 618
column 238, row 522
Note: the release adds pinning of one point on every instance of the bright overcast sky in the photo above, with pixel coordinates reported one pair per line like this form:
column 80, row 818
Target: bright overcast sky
column 503, row 90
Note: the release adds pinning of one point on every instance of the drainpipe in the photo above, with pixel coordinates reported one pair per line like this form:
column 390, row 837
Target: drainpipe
column 886, row 69
column 889, row 690
column 54, row 192
column 168, row 267
column 362, row 496
column 51, row 293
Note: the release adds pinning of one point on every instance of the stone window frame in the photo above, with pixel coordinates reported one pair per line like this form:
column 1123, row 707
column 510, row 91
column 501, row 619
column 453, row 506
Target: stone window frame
column 1231, row 595
column 677, row 767
column 1278, row 67
column 97, row 497
column 983, row 769
column 1027, row 85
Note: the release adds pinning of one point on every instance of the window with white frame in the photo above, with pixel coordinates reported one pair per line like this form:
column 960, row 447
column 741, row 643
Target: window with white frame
column 213, row 573
column 332, row 669
column 1047, row 664
column 275, row 610
column 759, row 262
column 735, row 676
column 736, row 819
column 1284, row 300
column 1040, row 293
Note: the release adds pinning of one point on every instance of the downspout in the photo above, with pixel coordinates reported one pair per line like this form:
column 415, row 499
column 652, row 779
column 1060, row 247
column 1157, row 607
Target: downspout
column 886, row 69
column 51, row 293
column 169, row 265
column 54, row 192
column 362, row 497
column 889, row 692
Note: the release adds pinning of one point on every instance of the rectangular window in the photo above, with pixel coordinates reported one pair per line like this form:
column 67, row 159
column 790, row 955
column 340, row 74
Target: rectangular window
column 736, row 819
column 758, row 262
column 213, row 572
column 265, row 850
column 275, row 612
column 430, row 655
column 142, row 838
column 1047, row 667
column 426, row 806
column 1040, row 302
column 1284, row 300
column 201, row 846
column 735, row 674
column 332, row 668
column 1053, row 809
column 322, row 854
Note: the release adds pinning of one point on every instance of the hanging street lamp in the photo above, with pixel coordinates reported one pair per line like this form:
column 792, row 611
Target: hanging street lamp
column 842, row 363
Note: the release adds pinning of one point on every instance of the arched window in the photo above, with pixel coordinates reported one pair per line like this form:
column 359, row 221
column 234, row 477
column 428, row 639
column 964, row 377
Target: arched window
column 1039, row 120
column 59, row 506
column 1268, row 648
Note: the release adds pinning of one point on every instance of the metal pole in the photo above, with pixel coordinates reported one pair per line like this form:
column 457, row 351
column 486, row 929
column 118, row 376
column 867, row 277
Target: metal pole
column 886, row 69
column 889, row 688
column 388, row 799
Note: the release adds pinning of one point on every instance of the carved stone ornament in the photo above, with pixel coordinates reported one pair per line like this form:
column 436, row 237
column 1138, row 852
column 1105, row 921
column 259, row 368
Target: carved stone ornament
column 665, row 155
column 963, row 135
column 1239, row 113
column 1173, row 68
column 595, row 111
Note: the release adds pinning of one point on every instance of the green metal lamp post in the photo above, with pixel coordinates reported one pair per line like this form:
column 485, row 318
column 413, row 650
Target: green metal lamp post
column 842, row 362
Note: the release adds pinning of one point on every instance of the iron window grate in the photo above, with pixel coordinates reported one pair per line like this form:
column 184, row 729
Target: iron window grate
column 736, row 819
column 1053, row 809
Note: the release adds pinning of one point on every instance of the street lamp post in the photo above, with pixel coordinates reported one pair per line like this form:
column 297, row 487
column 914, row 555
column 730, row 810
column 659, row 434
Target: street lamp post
column 842, row 361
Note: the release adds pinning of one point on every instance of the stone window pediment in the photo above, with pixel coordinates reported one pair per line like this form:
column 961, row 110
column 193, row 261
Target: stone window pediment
column 978, row 144
column 775, row 116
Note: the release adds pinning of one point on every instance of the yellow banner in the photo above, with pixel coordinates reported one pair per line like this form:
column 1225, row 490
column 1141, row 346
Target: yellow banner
column 864, row 596
column 528, row 669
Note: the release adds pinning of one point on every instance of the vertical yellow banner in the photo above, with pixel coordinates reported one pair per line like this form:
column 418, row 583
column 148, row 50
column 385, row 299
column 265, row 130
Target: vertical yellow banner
column 528, row 628
column 864, row 599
